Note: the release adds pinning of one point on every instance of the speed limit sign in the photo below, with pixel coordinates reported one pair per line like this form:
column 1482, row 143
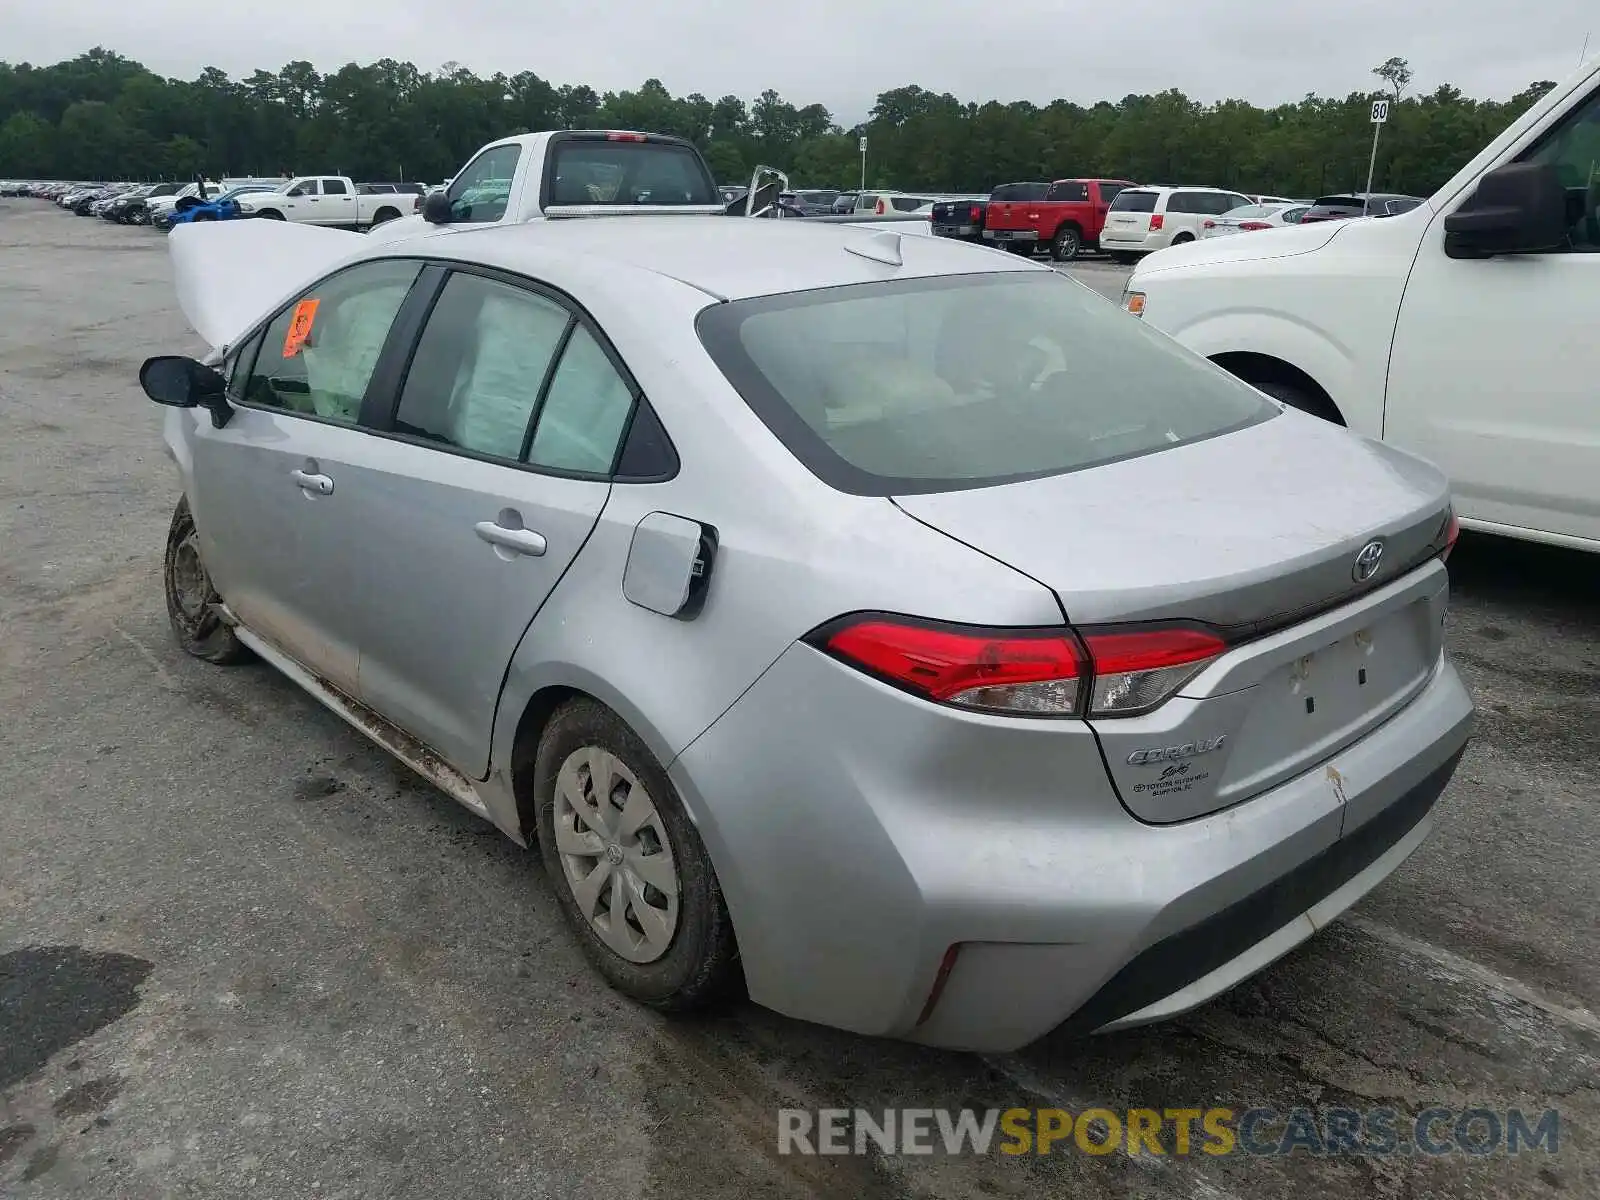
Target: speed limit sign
column 1380, row 111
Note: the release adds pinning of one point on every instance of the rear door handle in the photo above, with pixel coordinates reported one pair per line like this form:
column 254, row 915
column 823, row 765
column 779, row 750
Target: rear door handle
column 518, row 541
column 322, row 485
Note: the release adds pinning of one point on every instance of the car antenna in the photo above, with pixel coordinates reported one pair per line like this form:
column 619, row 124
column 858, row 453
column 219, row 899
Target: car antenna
column 879, row 247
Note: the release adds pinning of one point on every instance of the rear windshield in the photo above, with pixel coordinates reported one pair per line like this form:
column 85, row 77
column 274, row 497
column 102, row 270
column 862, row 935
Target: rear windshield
column 1068, row 192
column 1129, row 200
column 1253, row 210
column 930, row 385
column 592, row 171
column 1007, row 192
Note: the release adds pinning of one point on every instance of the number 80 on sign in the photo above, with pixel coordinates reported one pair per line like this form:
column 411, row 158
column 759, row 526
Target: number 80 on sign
column 1380, row 111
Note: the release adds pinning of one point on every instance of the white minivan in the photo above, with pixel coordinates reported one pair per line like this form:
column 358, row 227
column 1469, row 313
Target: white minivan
column 1462, row 330
column 1152, row 218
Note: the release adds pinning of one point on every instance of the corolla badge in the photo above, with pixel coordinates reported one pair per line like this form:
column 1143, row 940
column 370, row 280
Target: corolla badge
column 1161, row 754
column 1367, row 561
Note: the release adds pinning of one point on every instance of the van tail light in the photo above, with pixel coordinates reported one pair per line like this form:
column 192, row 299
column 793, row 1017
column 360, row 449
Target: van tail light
column 1249, row 225
column 1156, row 222
column 1045, row 672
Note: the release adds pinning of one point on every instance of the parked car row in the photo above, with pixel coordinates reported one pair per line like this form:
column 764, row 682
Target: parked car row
column 334, row 200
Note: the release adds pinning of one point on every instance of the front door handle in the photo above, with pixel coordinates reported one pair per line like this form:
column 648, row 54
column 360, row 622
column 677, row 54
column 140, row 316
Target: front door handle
column 309, row 482
column 518, row 541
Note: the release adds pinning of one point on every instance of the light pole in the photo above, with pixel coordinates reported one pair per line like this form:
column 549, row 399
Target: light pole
column 863, row 164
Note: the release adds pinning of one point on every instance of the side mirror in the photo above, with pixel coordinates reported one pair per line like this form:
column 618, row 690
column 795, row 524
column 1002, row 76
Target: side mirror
column 180, row 382
column 1520, row 208
column 436, row 209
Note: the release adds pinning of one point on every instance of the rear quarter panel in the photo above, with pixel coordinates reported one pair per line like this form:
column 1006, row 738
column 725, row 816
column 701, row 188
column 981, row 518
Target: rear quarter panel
column 791, row 552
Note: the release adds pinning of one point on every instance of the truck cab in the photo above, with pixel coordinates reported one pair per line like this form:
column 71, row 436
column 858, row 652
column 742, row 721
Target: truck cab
column 568, row 173
column 1066, row 219
column 1460, row 330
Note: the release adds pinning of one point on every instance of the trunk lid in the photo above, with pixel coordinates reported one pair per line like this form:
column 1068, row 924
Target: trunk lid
column 1256, row 532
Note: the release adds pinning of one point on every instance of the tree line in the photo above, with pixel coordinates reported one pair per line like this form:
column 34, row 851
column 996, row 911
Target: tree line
column 103, row 116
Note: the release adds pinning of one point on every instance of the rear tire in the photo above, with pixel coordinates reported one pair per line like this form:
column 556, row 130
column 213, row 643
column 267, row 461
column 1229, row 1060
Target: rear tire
column 1068, row 244
column 205, row 216
column 382, row 215
column 1182, row 238
column 191, row 597
column 590, row 771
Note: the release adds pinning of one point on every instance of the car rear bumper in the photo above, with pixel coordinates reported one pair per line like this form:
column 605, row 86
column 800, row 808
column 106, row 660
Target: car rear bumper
column 1011, row 235
column 968, row 233
column 859, row 834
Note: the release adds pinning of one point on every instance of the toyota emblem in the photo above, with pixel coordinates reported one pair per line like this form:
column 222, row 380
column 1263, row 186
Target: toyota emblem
column 1367, row 562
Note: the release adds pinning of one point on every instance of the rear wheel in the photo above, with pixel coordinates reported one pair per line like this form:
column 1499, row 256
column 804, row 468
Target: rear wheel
column 205, row 216
column 192, row 601
column 1067, row 244
column 627, row 865
column 382, row 215
column 1182, row 238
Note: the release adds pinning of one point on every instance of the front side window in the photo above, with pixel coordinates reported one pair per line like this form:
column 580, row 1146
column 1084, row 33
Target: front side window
column 965, row 381
column 483, row 189
column 477, row 371
column 308, row 188
column 318, row 354
column 1573, row 147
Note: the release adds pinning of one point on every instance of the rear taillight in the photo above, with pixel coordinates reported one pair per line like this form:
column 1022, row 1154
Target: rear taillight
column 1452, row 531
column 974, row 214
column 1156, row 222
column 1254, row 225
column 1050, row 672
column 1135, row 670
column 1209, row 223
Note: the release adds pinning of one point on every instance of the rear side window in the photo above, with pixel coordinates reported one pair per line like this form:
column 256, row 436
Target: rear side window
column 965, row 381
column 600, row 171
column 1187, row 202
column 1068, row 192
column 1129, row 200
column 582, row 418
column 477, row 371
column 907, row 203
column 334, row 187
column 1108, row 191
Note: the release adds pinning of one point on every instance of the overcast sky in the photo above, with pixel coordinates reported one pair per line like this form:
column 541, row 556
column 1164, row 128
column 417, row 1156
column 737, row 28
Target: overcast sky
column 841, row 53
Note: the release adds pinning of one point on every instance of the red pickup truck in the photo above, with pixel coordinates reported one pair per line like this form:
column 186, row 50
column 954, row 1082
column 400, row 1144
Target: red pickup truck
column 1067, row 218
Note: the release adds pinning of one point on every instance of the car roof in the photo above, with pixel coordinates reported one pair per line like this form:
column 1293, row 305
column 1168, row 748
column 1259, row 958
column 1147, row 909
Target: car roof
column 725, row 257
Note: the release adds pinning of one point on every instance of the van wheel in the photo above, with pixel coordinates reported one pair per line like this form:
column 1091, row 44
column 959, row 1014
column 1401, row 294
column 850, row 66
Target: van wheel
column 191, row 597
column 1067, row 244
column 627, row 865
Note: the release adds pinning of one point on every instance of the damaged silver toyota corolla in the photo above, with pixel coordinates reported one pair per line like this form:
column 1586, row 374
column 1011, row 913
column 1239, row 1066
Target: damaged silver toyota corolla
column 886, row 624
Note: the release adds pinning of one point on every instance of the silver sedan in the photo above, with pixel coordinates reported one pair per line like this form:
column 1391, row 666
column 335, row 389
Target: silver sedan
column 885, row 625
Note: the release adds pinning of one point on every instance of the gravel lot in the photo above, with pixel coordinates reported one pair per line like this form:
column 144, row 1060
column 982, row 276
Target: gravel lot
column 242, row 953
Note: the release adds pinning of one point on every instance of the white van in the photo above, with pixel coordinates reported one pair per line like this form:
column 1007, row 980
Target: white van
column 1152, row 218
column 1463, row 330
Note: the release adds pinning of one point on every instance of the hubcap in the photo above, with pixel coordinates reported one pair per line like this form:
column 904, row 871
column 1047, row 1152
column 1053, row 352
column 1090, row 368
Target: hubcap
column 615, row 855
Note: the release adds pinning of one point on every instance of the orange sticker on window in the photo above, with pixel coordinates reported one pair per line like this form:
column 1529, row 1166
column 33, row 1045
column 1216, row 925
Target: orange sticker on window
column 299, row 327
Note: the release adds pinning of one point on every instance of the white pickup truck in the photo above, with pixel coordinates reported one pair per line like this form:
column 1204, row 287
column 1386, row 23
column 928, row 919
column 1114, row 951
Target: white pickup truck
column 330, row 200
column 1463, row 330
column 591, row 172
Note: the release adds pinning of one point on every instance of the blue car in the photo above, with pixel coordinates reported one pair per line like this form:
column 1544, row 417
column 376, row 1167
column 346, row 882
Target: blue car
column 219, row 208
